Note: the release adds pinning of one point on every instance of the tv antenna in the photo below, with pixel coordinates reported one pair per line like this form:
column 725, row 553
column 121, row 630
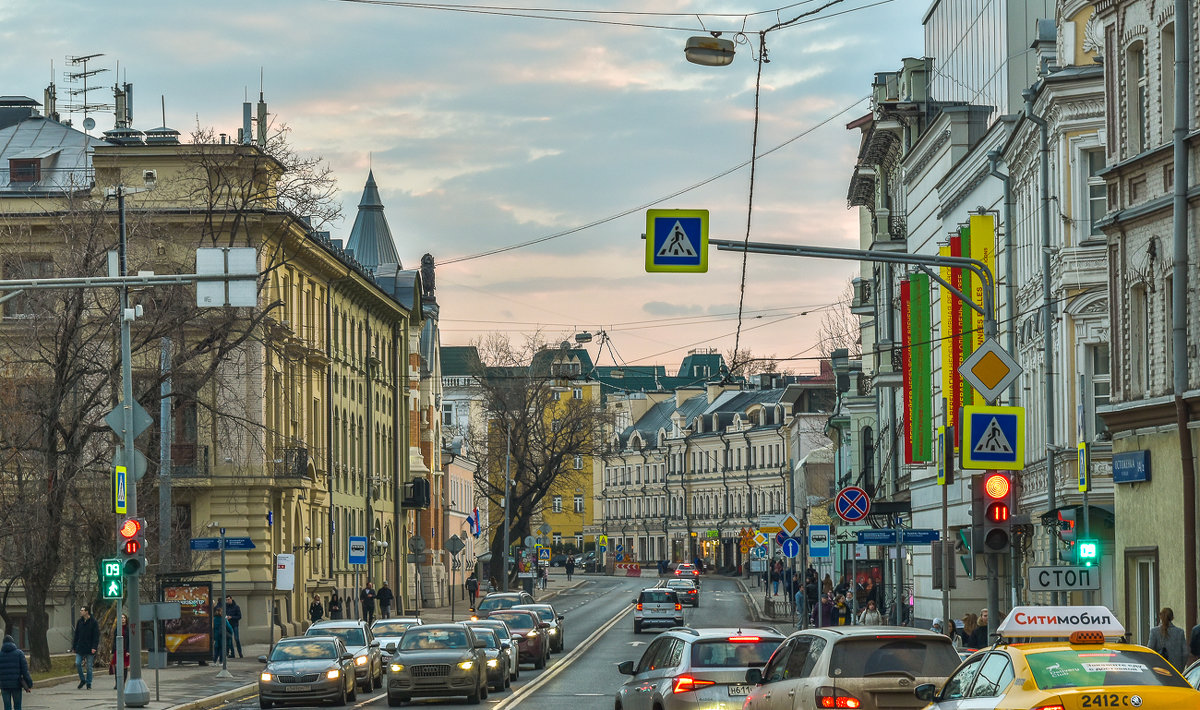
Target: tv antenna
column 77, row 77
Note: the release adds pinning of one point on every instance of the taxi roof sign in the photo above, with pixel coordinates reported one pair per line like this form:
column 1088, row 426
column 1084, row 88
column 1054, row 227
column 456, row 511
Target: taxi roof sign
column 1059, row 622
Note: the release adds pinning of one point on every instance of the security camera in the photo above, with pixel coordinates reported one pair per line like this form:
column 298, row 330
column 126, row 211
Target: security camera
column 150, row 177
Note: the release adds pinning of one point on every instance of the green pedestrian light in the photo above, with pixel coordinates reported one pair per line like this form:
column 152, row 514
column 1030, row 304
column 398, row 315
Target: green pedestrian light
column 1087, row 552
column 112, row 586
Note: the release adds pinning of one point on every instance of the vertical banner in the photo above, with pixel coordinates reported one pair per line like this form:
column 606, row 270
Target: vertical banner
column 946, row 340
column 906, row 338
column 921, row 364
column 954, row 339
column 967, row 315
column 983, row 249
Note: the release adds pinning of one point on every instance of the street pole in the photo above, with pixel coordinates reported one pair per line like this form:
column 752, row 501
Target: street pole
column 224, row 672
column 165, row 438
column 507, row 495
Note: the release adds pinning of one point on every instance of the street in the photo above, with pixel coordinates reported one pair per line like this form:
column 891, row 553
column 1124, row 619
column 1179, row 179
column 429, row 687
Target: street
column 599, row 635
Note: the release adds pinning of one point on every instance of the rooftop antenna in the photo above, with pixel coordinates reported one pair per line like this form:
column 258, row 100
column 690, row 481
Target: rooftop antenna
column 79, row 96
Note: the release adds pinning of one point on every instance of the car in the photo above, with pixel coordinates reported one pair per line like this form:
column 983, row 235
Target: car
column 657, row 606
column 505, row 634
column 687, row 590
column 368, row 657
column 867, row 667
column 687, row 570
column 502, row 600
column 532, row 634
column 497, row 658
column 1192, row 674
column 388, row 632
column 558, row 561
column 1073, row 659
column 307, row 669
column 558, row 629
column 438, row 660
column 695, row 669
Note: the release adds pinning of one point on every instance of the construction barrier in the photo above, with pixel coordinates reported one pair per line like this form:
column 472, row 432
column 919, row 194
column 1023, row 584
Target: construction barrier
column 632, row 569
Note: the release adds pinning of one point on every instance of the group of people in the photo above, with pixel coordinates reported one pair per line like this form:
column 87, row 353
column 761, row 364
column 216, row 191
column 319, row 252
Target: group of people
column 85, row 642
column 227, row 636
column 1169, row 641
column 971, row 632
column 367, row 598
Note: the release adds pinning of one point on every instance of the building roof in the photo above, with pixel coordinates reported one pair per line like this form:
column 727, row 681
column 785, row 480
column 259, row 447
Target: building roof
column 461, row 361
column 62, row 152
column 370, row 237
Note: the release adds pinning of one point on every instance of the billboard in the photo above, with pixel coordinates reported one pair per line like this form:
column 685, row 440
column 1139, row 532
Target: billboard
column 189, row 638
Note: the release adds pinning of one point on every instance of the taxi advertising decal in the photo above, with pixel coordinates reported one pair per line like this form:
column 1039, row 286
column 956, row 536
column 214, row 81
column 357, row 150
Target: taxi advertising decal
column 1043, row 621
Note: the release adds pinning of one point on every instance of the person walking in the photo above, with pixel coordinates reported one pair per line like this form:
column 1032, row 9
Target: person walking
column 1194, row 643
column 222, row 633
column 14, row 674
column 979, row 637
column 233, row 613
column 120, row 631
column 776, row 573
column 1168, row 640
column 316, row 611
column 86, row 641
column 472, row 585
column 335, row 605
column 367, row 599
column 385, row 598
column 541, row 577
column 970, row 622
column 870, row 616
column 570, row 565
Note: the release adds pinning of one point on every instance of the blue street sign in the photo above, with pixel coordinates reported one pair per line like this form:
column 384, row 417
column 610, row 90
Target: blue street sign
column 620, row 557
column 358, row 550
column 780, row 537
column 818, row 540
column 544, row 553
column 760, row 551
column 921, row 537
column 993, row 437
column 620, row 547
column 791, row 547
column 206, row 543
column 604, row 548
column 239, row 543
column 877, row 537
column 677, row 240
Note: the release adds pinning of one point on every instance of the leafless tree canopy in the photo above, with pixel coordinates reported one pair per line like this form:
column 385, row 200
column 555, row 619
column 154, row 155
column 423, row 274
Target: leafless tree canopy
column 840, row 328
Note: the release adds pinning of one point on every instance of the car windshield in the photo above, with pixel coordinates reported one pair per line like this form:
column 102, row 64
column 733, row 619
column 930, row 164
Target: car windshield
column 1101, row 667
column 684, row 584
column 664, row 596
column 521, row 622
column 352, row 636
column 894, row 655
column 487, row 636
column 392, row 628
column 544, row 614
column 734, row 652
column 418, row 638
column 496, row 603
column 498, row 627
column 304, row 651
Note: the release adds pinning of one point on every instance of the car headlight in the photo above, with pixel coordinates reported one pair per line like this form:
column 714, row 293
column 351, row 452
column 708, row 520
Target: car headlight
column 396, row 667
column 333, row 674
column 467, row 665
column 360, row 660
column 553, row 632
column 265, row 677
column 492, row 662
column 531, row 634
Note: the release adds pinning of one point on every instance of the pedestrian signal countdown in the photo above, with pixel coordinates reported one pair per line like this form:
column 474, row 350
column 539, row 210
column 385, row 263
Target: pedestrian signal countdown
column 112, row 586
column 1087, row 552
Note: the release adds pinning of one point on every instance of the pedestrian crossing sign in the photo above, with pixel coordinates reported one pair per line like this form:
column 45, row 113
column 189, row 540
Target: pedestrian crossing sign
column 677, row 240
column 993, row 438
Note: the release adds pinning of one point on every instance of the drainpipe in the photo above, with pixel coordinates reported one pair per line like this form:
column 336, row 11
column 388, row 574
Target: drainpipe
column 1047, row 313
column 1179, row 278
column 1010, row 306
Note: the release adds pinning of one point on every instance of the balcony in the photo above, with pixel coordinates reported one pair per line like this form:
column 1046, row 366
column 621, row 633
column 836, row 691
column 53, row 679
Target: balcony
column 888, row 369
column 863, row 303
column 189, row 461
column 291, row 462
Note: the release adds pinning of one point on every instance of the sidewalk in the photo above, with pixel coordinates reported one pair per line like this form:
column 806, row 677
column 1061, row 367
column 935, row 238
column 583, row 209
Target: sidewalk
column 193, row 687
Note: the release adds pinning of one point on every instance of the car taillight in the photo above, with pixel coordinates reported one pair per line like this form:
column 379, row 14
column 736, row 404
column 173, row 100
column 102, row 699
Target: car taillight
column 678, row 606
column 1056, row 706
column 639, row 606
column 686, row 683
column 744, row 639
column 830, row 698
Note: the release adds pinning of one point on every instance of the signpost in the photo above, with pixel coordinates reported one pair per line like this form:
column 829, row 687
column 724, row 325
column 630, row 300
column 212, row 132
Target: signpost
column 993, row 438
column 677, row 240
column 358, row 550
column 1064, row 579
column 853, row 504
column 818, row 541
column 771, row 523
column 791, row 547
column 990, row 370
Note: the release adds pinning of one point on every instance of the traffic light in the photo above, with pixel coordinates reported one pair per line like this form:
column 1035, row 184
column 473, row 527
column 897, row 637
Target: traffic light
column 132, row 542
column 1066, row 525
column 112, row 585
column 1087, row 552
column 997, row 512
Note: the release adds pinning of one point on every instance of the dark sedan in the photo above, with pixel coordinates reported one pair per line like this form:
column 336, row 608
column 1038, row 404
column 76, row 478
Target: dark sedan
column 438, row 660
column 532, row 634
column 557, row 623
column 502, row 600
column 307, row 669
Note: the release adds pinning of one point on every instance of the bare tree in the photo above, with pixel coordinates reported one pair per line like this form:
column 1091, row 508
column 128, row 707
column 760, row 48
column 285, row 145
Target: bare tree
column 840, row 328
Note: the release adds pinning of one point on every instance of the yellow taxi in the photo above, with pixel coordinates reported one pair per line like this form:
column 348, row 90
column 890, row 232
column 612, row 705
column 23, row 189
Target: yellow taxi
column 1061, row 658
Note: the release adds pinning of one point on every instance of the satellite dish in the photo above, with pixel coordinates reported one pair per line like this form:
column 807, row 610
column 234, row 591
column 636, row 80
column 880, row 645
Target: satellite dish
column 89, row 123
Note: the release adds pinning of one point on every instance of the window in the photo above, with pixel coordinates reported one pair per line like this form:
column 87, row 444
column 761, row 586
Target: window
column 557, row 504
column 1135, row 93
column 556, row 539
column 578, row 503
column 448, row 414
column 577, row 393
column 1097, row 191
column 556, row 395
column 1167, row 85
column 578, row 462
column 24, row 170
column 579, row 541
column 1139, row 340
column 994, row 676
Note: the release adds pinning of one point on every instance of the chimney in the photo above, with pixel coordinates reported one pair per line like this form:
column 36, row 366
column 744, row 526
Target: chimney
column 50, row 99
column 1046, row 47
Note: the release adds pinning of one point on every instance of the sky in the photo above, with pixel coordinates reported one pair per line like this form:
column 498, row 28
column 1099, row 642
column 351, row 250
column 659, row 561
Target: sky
column 489, row 130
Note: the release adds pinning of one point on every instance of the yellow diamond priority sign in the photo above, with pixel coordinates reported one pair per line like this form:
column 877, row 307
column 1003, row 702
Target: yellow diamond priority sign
column 790, row 525
column 990, row 370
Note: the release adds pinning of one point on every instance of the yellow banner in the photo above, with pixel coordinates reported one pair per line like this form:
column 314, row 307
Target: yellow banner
column 983, row 249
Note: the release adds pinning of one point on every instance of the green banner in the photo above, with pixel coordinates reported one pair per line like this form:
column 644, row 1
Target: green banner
column 921, row 367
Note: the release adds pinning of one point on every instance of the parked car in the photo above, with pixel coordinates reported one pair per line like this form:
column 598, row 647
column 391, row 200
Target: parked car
column 389, row 631
column 497, row 658
column 657, row 606
column 866, row 667
column 557, row 623
column 438, row 660
column 687, row 590
column 532, row 634
column 502, row 600
column 558, row 561
column 505, row 634
column 368, row 658
column 696, row 669
column 308, row 669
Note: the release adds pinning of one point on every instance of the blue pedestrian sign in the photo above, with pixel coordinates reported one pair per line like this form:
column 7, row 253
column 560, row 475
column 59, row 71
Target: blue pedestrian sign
column 853, row 504
column 677, row 240
column 791, row 547
column 818, row 541
column 120, row 490
column 544, row 553
column 993, row 438
column 358, row 550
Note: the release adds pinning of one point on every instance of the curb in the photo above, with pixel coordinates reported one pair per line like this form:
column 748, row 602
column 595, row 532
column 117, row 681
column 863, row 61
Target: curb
column 215, row 700
column 56, row 680
column 748, row 597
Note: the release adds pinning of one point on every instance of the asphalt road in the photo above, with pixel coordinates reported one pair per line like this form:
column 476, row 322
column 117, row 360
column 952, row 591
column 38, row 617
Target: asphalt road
column 598, row 615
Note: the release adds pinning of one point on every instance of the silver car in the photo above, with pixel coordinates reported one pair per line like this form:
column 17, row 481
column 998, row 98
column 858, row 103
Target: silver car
column 307, row 669
column 504, row 634
column 388, row 632
column 657, row 606
column 438, row 660
column 368, row 659
column 696, row 669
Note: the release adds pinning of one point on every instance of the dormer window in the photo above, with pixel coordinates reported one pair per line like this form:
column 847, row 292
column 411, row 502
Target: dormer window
column 24, row 170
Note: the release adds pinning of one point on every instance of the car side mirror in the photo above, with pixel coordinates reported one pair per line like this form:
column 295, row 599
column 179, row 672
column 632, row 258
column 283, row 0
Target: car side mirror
column 374, row 644
column 754, row 675
column 480, row 644
column 926, row 692
column 633, row 602
column 625, row 667
column 561, row 617
column 391, row 647
column 262, row 659
column 347, row 656
column 505, row 645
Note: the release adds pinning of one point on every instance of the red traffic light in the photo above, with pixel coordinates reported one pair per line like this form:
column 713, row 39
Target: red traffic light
column 997, row 486
column 129, row 529
column 998, row 513
column 131, row 547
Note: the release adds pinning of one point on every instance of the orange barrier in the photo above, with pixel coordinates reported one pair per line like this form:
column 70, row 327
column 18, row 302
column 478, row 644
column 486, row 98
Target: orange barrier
column 632, row 569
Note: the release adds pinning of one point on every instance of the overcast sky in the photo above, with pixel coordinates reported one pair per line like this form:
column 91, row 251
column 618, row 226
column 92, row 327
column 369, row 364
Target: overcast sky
column 487, row 131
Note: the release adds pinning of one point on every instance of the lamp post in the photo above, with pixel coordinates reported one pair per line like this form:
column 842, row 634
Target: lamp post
column 507, row 495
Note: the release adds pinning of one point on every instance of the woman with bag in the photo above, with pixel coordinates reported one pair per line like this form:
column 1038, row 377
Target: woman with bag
column 124, row 633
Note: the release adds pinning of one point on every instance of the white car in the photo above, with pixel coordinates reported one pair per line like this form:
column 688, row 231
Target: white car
column 389, row 631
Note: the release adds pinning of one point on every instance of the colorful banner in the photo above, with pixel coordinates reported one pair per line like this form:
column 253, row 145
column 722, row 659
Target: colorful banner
column 967, row 316
column 983, row 249
column 906, row 338
column 921, row 363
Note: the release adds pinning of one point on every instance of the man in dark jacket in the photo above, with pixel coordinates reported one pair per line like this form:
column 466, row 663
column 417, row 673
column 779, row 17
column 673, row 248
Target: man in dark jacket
column 366, row 599
column 14, row 673
column 233, row 614
column 85, row 643
column 385, row 598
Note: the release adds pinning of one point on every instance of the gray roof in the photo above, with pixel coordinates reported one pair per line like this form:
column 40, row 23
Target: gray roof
column 402, row 285
column 657, row 417
column 370, row 237
column 62, row 151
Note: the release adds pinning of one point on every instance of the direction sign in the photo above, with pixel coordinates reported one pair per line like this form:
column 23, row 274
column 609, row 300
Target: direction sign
column 993, row 438
column 771, row 523
column 760, row 551
column 358, row 550
column 780, row 537
column 120, row 490
column 791, row 547
column 1063, row 579
column 677, row 240
column 990, row 369
column 205, row 543
column 877, row 537
column 920, row 536
column 848, row 535
column 853, row 504
column 818, row 541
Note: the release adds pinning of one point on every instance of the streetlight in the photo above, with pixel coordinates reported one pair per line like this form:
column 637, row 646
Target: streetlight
column 709, row 51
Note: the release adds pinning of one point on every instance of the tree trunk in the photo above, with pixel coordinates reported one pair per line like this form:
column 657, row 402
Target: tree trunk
column 39, row 622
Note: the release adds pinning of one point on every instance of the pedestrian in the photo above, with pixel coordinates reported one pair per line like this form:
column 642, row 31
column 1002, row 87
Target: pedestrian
column 541, row 576
column 1194, row 643
column 979, row 637
column 385, row 598
column 1167, row 639
column 936, row 626
column 367, row 599
column 870, row 616
column 472, row 585
column 84, row 644
column 570, row 565
column 970, row 622
column 222, row 633
column 14, row 674
column 335, row 605
column 843, row 586
column 120, row 631
column 233, row 613
column 316, row 612
column 827, row 585
column 776, row 574
column 823, row 613
column 841, row 612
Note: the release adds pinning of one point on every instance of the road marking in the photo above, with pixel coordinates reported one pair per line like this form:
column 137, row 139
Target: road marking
column 524, row 691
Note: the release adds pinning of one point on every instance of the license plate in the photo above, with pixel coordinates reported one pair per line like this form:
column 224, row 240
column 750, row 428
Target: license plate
column 298, row 688
column 739, row 689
